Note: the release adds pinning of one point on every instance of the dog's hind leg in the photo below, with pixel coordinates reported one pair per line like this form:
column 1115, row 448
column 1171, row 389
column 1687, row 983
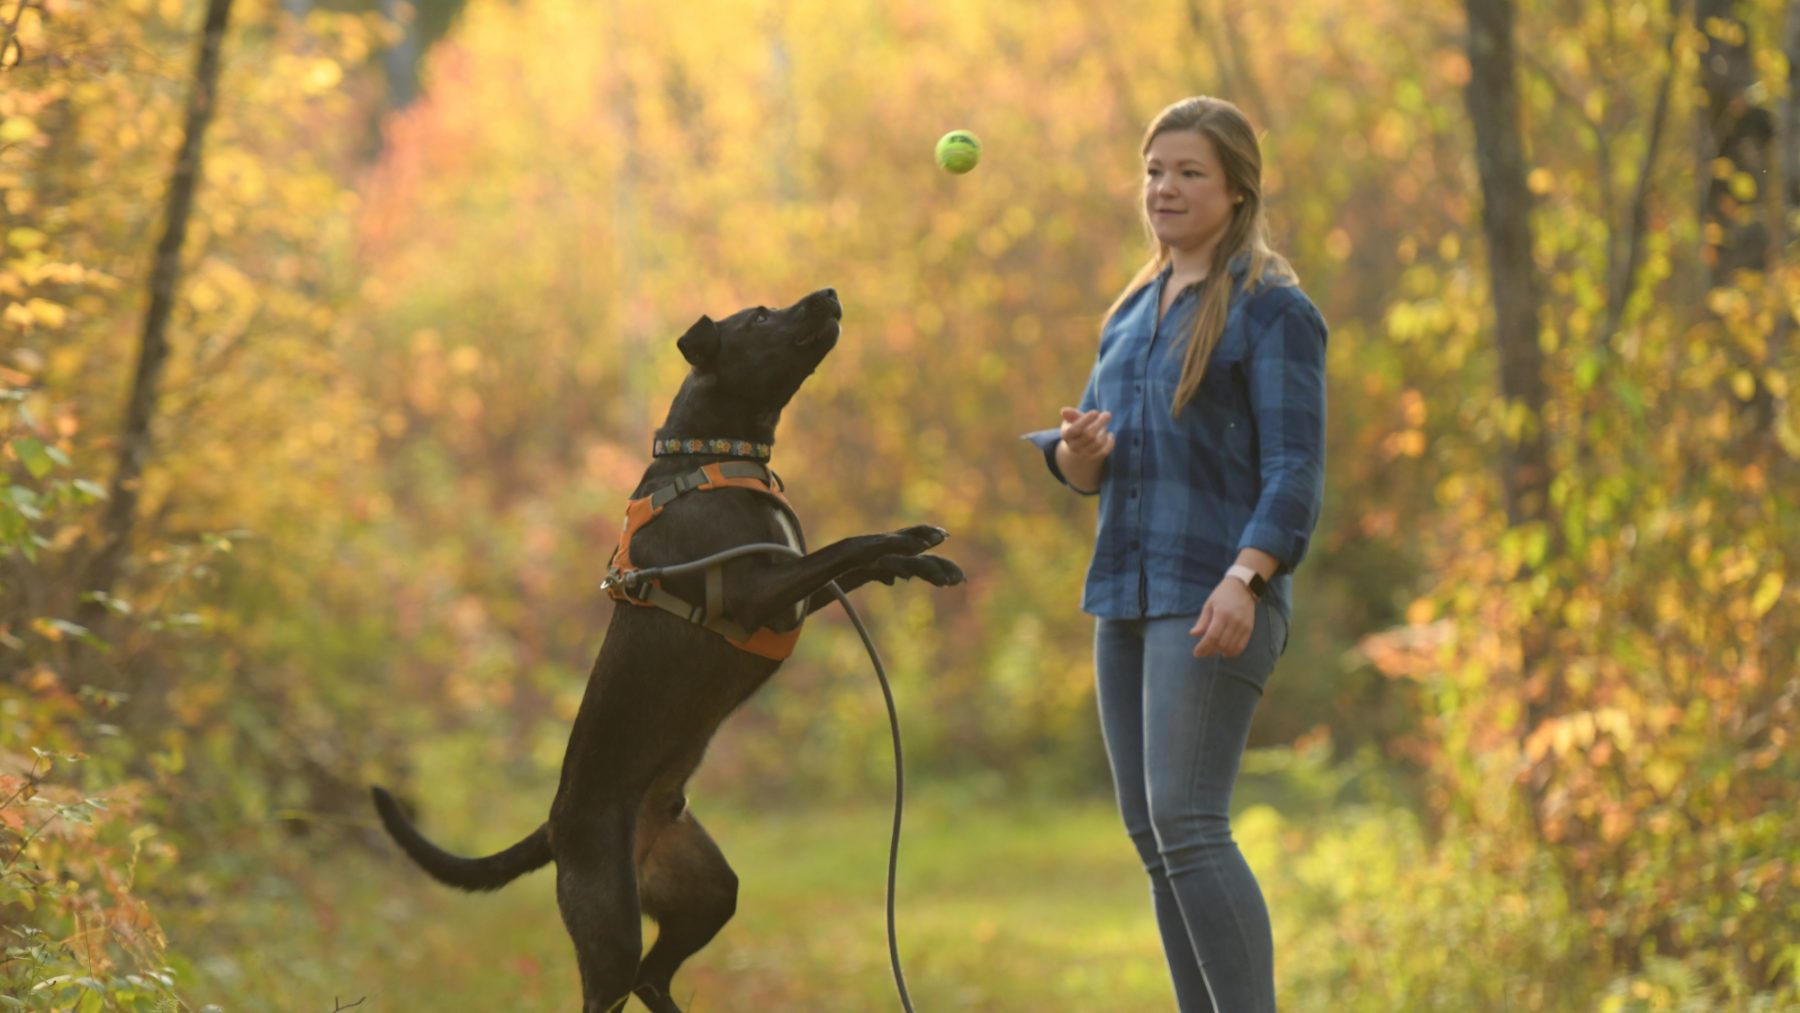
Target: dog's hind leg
column 596, row 890
column 689, row 889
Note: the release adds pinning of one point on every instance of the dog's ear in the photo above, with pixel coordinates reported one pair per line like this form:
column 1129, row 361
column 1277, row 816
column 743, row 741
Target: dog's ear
column 700, row 345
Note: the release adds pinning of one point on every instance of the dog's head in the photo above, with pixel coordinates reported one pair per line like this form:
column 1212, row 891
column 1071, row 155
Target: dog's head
column 757, row 358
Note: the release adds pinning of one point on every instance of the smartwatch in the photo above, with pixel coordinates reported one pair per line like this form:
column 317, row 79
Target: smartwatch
column 1251, row 579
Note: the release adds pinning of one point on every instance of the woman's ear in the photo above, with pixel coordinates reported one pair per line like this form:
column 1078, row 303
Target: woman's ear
column 700, row 345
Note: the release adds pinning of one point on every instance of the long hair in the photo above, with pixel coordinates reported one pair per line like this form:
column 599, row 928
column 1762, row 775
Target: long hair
column 1240, row 156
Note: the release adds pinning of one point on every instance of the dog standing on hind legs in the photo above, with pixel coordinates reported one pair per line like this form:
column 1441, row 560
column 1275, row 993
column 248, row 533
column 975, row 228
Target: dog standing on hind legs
column 680, row 654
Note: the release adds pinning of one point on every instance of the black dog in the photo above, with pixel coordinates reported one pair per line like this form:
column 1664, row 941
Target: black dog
column 619, row 831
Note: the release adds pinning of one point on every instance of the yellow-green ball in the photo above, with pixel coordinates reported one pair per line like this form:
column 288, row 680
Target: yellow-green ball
column 958, row 151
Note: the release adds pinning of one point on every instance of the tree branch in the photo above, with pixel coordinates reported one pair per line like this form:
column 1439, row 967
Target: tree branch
column 153, row 350
column 1623, row 280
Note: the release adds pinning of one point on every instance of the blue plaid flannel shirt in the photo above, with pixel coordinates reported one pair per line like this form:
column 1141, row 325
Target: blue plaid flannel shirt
column 1242, row 467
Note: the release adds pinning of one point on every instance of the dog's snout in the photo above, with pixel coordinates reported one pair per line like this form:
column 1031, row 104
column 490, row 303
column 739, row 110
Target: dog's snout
column 819, row 315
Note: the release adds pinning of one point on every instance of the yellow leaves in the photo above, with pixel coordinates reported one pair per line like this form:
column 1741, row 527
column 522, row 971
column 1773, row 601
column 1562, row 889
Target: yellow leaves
column 1540, row 181
column 17, row 129
column 1417, row 321
column 1768, row 592
column 57, row 630
column 321, row 75
column 1729, row 31
column 1421, row 611
column 1580, row 731
column 1663, row 774
column 1391, row 136
column 1776, row 382
column 32, row 313
column 25, row 238
column 1406, row 443
column 465, row 360
column 47, row 313
column 1735, row 566
column 1743, row 384
column 1727, row 302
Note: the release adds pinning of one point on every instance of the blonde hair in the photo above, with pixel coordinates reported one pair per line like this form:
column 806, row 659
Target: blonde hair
column 1239, row 154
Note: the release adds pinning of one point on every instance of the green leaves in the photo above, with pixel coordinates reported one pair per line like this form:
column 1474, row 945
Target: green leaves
column 34, row 456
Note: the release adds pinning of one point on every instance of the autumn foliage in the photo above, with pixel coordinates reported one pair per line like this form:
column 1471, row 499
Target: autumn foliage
column 418, row 353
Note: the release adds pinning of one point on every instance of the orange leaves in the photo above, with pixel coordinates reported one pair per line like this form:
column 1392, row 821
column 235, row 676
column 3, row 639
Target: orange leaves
column 1595, row 732
column 1418, row 651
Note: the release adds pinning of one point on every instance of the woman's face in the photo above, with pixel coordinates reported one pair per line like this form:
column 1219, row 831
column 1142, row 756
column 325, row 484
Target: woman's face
column 1186, row 197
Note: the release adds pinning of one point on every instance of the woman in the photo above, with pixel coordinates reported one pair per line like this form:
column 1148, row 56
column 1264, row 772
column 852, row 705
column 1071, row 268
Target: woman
column 1202, row 430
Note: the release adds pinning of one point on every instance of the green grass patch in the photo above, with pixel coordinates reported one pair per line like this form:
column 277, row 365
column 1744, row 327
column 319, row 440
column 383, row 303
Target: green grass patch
column 1002, row 906
column 1007, row 902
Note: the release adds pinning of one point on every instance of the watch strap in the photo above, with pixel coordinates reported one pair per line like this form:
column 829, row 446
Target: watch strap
column 1250, row 578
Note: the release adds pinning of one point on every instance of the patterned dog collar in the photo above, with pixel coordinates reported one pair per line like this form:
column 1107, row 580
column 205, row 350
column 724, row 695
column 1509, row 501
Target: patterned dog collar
column 732, row 448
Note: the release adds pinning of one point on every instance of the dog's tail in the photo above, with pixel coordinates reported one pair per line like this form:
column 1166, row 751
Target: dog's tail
column 489, row 873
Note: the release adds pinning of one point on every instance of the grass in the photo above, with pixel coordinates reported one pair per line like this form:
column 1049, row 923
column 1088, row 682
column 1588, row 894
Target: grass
column 1015, row 906
column 1006, row 903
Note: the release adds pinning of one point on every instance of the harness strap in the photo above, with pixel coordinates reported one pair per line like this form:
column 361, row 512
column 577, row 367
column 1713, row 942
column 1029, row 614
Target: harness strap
column 752, row 476
column 715, row 590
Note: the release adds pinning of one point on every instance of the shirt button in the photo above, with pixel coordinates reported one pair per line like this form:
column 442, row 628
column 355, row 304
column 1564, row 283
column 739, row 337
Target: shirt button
column 1134, row 545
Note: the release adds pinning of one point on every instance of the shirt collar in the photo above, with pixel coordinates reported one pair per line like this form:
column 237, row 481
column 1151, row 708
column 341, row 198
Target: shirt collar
column 1238, row 267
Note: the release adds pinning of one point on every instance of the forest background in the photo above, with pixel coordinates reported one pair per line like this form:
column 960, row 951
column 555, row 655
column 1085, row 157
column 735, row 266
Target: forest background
column 317, row 490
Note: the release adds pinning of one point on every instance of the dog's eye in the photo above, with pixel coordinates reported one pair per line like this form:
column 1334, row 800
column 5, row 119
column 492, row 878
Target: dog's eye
column 760, row 316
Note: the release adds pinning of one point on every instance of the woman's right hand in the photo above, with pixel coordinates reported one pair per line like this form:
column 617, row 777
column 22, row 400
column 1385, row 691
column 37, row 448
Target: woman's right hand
column 1085, row 434
column 1081, row 455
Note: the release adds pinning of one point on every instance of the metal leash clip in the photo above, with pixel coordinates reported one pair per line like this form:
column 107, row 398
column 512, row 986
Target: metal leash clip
column 629, row 581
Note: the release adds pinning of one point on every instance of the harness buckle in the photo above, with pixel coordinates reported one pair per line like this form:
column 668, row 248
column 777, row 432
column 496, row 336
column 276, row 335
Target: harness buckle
column 628, row 583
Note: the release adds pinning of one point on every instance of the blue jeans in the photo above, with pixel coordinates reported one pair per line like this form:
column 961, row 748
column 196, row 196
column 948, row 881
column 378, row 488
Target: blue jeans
column 1175, row 728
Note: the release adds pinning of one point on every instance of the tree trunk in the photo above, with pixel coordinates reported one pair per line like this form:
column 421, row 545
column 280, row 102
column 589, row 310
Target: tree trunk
column 401, row 60
column 1516, row 291
column 1737, row 152
column 1741, row 169
column 1790, row 108
column 1493, row 101
column 153, row 350
column 1784, row 197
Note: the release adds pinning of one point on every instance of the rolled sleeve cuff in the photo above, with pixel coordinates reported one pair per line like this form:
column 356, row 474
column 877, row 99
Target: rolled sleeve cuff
column 1287, row 546
column 1046, row 440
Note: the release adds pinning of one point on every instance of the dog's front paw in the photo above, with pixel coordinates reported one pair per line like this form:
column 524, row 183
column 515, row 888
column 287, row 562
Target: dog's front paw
column 932, row 569
column 924, row 536
column 937, row 570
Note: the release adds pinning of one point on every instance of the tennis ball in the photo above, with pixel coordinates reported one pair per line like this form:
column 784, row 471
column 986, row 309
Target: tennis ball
column 958, row 151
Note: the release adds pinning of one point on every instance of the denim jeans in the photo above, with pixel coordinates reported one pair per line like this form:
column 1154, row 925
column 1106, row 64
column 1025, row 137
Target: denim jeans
column 1175, row 728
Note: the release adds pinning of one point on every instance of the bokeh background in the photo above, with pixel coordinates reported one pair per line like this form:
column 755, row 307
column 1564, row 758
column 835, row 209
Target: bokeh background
column 1531, row 746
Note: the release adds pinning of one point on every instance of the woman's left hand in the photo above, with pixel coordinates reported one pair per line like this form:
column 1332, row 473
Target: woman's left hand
column 1226, row 621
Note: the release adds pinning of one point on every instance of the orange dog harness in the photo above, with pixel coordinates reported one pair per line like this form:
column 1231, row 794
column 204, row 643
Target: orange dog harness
column 765, row 642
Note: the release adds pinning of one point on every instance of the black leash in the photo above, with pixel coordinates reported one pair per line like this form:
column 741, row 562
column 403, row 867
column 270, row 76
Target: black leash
column 887, row 694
